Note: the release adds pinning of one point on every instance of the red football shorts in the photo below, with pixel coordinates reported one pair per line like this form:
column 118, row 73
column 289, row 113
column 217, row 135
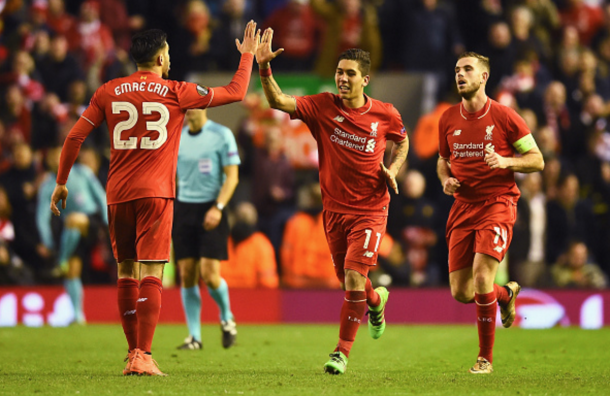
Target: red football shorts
column 353, row 241
column 485, row 227
column 141, row 230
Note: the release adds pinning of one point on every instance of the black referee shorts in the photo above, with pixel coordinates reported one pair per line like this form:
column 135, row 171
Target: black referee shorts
column 189, row 237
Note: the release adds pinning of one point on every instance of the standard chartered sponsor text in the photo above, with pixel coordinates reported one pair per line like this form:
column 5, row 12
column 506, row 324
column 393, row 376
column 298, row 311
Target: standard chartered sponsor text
column 343, row 138
column 469, row 150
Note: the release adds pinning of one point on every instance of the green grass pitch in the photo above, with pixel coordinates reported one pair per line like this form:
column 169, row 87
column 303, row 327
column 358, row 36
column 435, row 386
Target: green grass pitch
column 288, row 359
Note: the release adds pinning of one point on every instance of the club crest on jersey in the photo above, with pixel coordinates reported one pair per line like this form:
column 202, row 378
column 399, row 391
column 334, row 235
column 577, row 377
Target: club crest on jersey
column 374, row 126
column 488, row 132
column 457, row 132
column 203, row 91
column 339, row 118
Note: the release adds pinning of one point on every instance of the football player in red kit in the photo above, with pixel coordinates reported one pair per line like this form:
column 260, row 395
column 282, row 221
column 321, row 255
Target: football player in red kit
column 351, row 130
column 145, row 113
column 478, row 139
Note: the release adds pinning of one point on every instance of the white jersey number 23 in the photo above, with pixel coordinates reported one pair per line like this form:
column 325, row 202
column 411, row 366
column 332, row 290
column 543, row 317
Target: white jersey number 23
column 146, row 142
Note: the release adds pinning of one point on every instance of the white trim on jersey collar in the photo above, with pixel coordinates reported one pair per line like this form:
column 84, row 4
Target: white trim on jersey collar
column 484, row 114
column 366, row 111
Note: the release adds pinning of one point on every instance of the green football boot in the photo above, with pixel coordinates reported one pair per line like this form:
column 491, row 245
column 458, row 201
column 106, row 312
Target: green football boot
column 337, row 363
column 376, row 316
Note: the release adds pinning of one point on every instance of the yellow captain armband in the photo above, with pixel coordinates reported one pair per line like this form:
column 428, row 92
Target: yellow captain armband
column 525, row 144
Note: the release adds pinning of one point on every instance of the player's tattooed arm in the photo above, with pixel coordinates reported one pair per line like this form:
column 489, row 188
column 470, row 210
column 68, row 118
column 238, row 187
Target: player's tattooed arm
column 276, row 98
column 399, row 156
column 264, row 54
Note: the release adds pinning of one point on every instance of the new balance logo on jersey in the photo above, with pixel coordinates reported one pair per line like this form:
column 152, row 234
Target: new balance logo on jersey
column 339, row 118
column 488, row 132
column 142, row 299
column 374, row 126
column 368, row 254
column 370, row 146
column 457, row 132
column 132, row 312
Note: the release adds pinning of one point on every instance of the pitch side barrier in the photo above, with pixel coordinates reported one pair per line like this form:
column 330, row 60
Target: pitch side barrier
column 39, row 306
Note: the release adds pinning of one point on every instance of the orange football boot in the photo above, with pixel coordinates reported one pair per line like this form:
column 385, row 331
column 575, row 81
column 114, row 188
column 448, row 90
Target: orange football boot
column 144, row 364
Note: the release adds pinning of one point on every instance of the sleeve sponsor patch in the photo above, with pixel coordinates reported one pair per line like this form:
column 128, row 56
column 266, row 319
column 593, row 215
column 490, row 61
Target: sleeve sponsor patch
column 203, row 91
column 525, row 144
column 403, row 131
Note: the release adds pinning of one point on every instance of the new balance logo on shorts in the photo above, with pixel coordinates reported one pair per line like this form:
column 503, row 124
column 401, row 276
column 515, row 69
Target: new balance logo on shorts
column 368, row 254
column 142, row 299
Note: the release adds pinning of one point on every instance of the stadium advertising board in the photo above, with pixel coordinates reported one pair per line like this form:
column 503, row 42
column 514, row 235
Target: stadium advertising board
column 535, row 308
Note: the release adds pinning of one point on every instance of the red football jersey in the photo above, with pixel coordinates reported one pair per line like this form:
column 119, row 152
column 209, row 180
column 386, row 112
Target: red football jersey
column 351, row 145
column 463, row 137
column 145, row 115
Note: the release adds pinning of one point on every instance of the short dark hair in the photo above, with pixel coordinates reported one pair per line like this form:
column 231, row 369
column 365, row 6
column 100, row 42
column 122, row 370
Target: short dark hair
column 483, row 60
column 359, row 55
column 145, row 45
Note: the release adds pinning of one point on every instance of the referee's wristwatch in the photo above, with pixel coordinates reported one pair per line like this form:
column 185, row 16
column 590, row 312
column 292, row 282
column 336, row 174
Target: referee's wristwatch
column 219, row 206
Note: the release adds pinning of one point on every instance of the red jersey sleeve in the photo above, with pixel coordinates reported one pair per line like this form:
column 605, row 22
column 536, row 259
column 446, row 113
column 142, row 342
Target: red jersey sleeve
column 309, row 106
column 91, row 118
column 443, row 145
column 396, row 130
column 516, row 128
column 193, row 96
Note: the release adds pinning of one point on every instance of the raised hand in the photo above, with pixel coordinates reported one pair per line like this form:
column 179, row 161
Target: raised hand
column 390, row 177
column 59, row 194
column 251, row 39
column 265, row 54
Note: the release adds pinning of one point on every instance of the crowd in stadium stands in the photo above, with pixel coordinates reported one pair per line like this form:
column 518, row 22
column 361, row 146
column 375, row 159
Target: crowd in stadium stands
column 550, row 60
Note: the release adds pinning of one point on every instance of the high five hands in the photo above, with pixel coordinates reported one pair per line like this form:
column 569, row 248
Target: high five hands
column 265, row 54
column 251, row 39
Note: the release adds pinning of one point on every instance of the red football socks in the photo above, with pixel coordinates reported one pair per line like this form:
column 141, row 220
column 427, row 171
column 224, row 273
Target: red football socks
column 148, row 308
column 127, row 297
column 486, row 323
column 372, row 297
column 352, row 312
column 501, row 294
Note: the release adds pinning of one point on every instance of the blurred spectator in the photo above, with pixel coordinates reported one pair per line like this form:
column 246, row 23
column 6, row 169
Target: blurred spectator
column 46, row 116
column 502, row 54
column 429, row 40
column 546, row 20
column 251, row 261
column 58, row 69
column 273, row 190
column 412, row 222
column 587, row 19
column 21, row 186
column 522, row 23
column 306, row 260
column 574, row 269
column 16, row 117
column 348, row 24
column 553, row 111
column 568, row 218
column 12, row 269
column 24, row 75
column 61, row 22
column 526, row 252
column 113, row 13
column 233, row 17
column 196, row 47
column 92, row 39
column 295, row 29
